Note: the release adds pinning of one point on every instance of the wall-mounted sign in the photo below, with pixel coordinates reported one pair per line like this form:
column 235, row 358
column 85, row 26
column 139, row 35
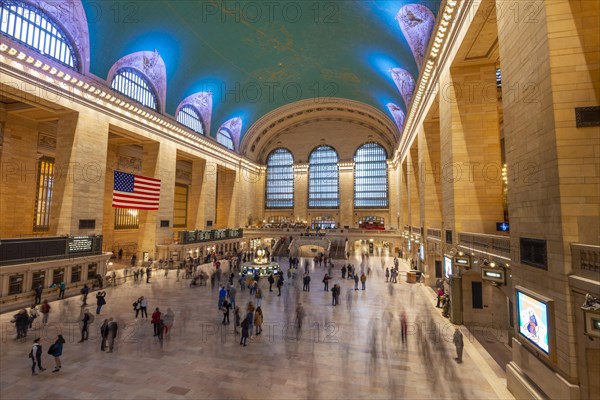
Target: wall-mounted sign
column 447, row 266
column 502, row 227
column 463, row 261
column 493, row 274
column 80, row 244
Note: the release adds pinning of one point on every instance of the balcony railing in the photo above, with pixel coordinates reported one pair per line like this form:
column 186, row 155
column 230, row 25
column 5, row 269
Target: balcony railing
column 494, row 245
column 434, row 233
column 585, row 260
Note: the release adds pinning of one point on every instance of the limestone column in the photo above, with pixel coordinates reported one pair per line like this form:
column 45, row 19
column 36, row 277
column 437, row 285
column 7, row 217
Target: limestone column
column 301, row 191
column 346, row 210
column 553, row 169
column 79, row 181
column 18, row 160
column 196, row 211
column 159, row 161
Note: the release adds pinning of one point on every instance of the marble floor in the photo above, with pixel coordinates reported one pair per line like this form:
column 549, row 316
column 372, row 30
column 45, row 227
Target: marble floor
column 352, row 351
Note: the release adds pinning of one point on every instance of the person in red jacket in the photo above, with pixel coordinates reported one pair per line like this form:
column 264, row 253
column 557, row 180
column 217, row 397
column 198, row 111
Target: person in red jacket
column 156, row 316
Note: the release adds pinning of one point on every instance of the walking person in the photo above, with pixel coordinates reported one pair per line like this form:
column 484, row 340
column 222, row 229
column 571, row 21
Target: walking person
column 222, row 296
column 271, row 281
column 245, row 329
column 306, row 282
column 84, row 293
column 326, row 279
column 86, row 320
column 169, row 319
column 258, row 320
column 300, row 314
column 457, row 339
column 404, row 327
column 225, row 307
column 61, row 290
column 344, row 272
column 258, row 296
column 113, row 327
column 38, row 293
column 279, row 284
column 36, row 356
column 137, row 306
column 33, row 314
column 232, row 293
column 355, row 281
column 236, row 319
column 100, row 301
column 21, row 321
column 250, row 318
column 144, row 307
column 363, row 280
column 56, row 350
column 148, row 273
column 156, row 321
column 242, row 283
column 334, row 294
column 45, row 310
column 104, row 335
column 387, row 274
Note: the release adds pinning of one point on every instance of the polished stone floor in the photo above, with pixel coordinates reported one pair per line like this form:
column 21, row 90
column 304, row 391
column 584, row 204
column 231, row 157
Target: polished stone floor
column 352, row 351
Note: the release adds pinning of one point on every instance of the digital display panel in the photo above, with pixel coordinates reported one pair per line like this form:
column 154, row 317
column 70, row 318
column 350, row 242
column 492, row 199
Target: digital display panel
column 78, row 244
column 533, row 320
column 502, row 226
column 447, row 266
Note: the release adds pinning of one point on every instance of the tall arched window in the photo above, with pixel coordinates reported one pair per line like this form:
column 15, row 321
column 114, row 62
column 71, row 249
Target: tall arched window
column 134, row 85
column 370, row 177
column 189, row 117
column 280, row 179
column 30, row 26
column 224, row 137
column 323, row 178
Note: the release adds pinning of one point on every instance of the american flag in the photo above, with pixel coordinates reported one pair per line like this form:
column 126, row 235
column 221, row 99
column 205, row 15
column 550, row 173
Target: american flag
column 134, row 191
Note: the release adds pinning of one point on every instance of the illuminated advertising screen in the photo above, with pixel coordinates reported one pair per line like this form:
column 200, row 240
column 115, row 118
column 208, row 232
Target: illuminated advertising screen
column 447, row 266
column 532, row 316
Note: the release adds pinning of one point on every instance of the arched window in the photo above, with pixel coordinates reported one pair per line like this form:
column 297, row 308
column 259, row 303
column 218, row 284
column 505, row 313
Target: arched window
column 30, row 26
column 188, row 116
column 323, row 178
column 134, row 85
column 224, row 137
column 280, row 179
column 370, row 177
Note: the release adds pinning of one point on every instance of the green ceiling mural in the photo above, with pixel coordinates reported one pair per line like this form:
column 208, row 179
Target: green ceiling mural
column 256, row 56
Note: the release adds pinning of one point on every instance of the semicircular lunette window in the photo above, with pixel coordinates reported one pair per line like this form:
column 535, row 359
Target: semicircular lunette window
column 280, row 179
column 30, row 26
column 134, row 85
column 370, row 177
column 323, row 178
column 224, row 137
column 189, row 117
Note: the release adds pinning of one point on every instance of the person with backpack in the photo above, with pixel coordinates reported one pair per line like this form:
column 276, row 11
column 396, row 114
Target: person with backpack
column 137, row 306
column 56, row 350
column 86, row 320
column 45, row 310
column 36, row 356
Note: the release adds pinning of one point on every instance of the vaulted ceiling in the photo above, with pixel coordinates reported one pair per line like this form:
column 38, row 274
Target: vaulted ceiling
column 256, row 56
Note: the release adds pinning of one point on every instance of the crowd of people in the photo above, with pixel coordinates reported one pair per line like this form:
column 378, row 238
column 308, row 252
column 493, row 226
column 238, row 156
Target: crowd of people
column 247, row 320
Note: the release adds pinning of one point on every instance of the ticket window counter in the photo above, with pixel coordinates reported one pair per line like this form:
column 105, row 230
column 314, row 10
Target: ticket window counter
column 262, row 271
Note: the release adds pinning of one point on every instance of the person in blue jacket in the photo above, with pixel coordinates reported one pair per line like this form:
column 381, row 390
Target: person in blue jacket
column 56, row 350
